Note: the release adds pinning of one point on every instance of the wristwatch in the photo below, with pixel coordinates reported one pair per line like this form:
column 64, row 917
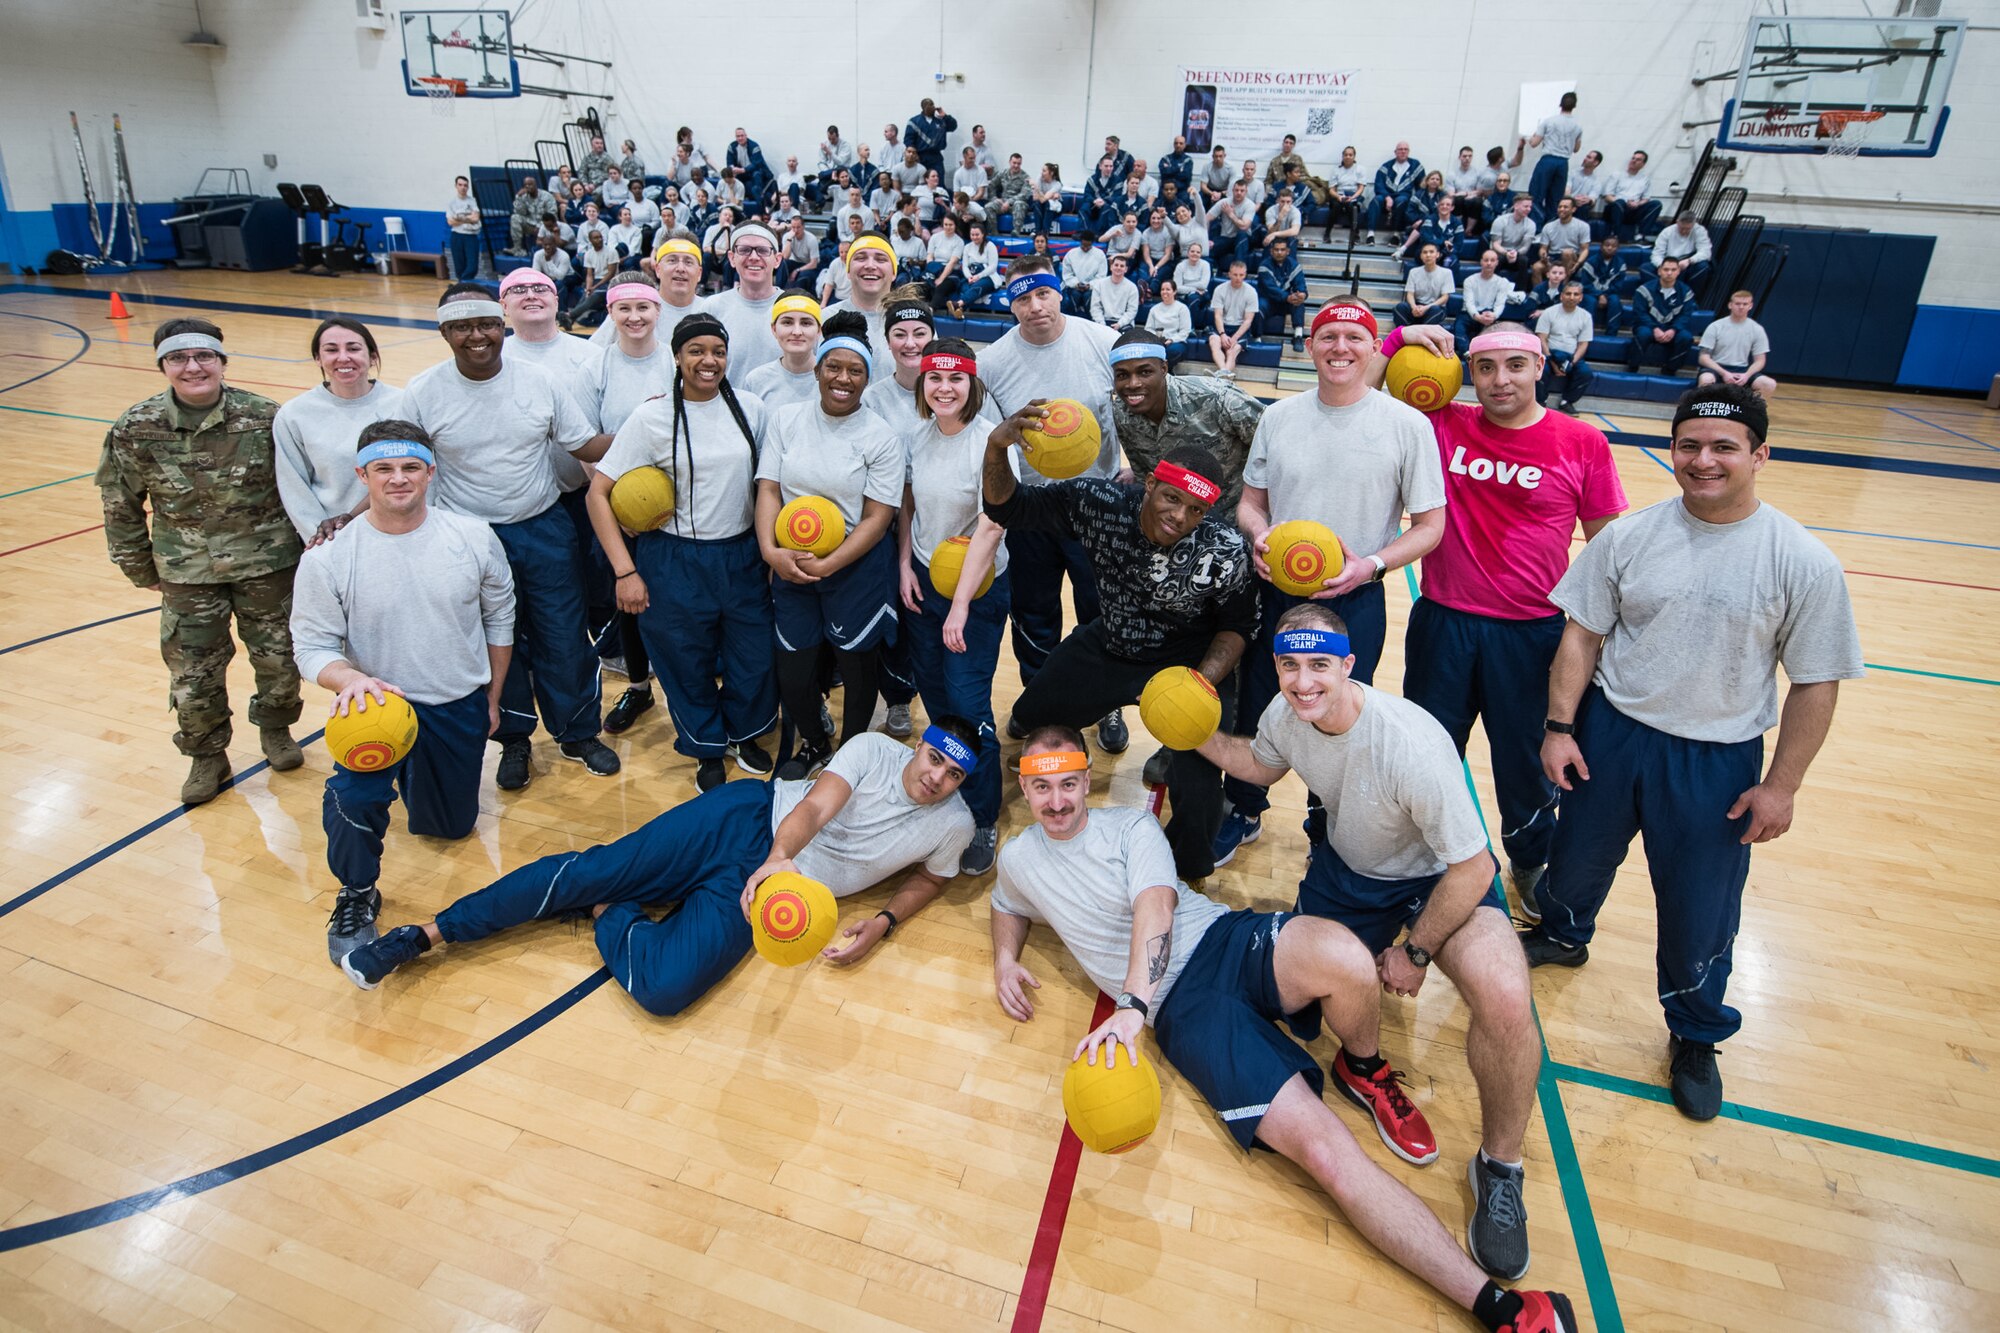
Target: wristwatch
column 1381, row 569
column 1560, row 728
column 1419, row 956
column 1130, row 1001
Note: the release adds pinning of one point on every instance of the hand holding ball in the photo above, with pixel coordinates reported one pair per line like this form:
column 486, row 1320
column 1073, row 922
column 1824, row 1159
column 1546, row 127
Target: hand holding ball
column 1302, row 555
column 792, row 918
column 948, row 565
column 1422, row 378
column 372, row 736
column 1180, row 707
column 642, row 499
column 1112, row 1105
column 811, row 523
column 1064, row 443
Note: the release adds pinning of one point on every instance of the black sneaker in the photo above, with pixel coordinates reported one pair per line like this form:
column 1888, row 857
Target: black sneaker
column 1523, row 886
column 1497, row 1236
column 1543, row 950
column 1696, row 1082
column 1112, row 734
column 977, row 858
column 1298, row 341
column 1155, row 772
column 593, row 754
column 1569, row 405
column 1015, row 731
column 515, row 772
column 752, row 759
column 631, row 704
column 352, row 922
column 709, row 774
column 367, row 964
column 806, row 762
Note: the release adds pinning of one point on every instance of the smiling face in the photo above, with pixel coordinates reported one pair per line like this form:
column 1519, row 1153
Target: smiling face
column 842, row 376
column 946, row 392
column 907, row 340
column 1716, row 463
column 703, row 362
column 1505, row 382
column 635, row 318
column 1340, row 352
column 1169, row 513
column 1059, row 802
column 1312, row 684
column 195, row 376
column 396, row 486
column 796, row 332
column 344, row 360
column 475, row 344
column 1141, row 384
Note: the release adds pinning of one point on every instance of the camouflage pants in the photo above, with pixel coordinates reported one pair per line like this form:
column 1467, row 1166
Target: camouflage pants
column 1022, row 206
column 195, row 644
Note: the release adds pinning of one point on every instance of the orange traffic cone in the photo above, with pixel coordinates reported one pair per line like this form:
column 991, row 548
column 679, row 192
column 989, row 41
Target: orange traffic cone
column 118, row 310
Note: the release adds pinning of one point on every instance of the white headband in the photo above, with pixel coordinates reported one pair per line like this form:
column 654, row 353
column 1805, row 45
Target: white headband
column 186, row 342
column 468, row 307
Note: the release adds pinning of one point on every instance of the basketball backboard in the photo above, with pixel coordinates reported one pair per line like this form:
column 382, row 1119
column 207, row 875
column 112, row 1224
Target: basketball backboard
column 1843, row 86
column 475, row 47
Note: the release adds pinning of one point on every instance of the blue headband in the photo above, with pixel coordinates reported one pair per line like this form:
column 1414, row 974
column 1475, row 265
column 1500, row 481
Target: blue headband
column 1027, row 282
column 854, row 345
column 394, row 449
column 1140, row 351
column 951, row 747
column 1313, row 641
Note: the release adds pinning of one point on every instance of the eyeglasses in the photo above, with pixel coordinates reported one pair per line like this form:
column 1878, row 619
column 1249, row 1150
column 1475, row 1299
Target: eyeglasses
column 752, row 251
column 177, row 360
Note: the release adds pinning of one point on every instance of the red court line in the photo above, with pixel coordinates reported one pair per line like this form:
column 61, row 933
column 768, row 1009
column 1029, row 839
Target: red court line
column 1055, row 1212
column 46, row 540
column 1900, row 578
column 144, row 370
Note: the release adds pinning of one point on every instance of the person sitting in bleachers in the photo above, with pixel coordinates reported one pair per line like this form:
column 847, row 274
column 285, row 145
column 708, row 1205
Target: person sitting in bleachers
column 969, row 176
column 1137, row 192
column 1233, row 307
column 1565, row 237
column 1099, row 209
column 781, row 216
column 1282, row 219
column 836, row 284
column 1629, row 208
column 630, row 162
column 625, row 237
column 943, row 257
column 798, row 255
column 852, row 206
column 982, row 156
column 1156, row 253
column 1215, row 177
column 1463, row 184
column 747, row 157
column 1283, row 161
column 1499, row 201
column 910, row 172
column 1444, row 230
column 911, row 247
column 673, row 213
column 1687, row 241
column 933, row 200
column 1662, row 318
column 1565, row 332
column 700, row 156
column 1177, row 167
column 1046, row 199
column 1121, row 161
column 1253, row 184
column 1281, row 286
column 599, row 262
column 1232, row 225
column 1190, row 229
column 1013, row 193
column 1347, row 186
column 554, row 264
column 565, row 234
column 1543, row 295
column 834, row 153
column 1170, row 318
column 789, row 185
column 1735, row 347
column 1083, row 265
column 1423, row 202
column 560, row 182
column 1427, row 290
column 980, row 267
column 596, row 164
column 1587, row 184
column 591, row 222
column 613, row 190
column 1121, row 239
column 526, row 219
column 1114, row 299
column 967, row 209
column 680, row 168
column 732, row 191
column 1485, row 296
column 1600, row 275
column 1395, row 181
column 715, row 243
column 1193, row 275
column 884, row 197
column 1514, row 237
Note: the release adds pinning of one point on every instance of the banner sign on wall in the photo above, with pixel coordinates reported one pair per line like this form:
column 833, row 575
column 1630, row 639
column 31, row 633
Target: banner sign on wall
column 1250, row 111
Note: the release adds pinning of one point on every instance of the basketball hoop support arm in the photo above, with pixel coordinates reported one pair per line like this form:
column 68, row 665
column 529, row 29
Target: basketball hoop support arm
column 556, row 57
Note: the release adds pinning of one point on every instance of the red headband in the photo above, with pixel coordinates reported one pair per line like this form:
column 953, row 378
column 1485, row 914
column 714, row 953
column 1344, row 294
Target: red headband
column 950, row 361
column 1346, row 312
column 1200, row 487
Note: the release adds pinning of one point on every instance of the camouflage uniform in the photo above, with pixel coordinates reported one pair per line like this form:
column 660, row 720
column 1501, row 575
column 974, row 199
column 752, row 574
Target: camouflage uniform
column 1219, row 417
column 525, row 223
column 596, row 167
column 219, row 543
column 1011, row 189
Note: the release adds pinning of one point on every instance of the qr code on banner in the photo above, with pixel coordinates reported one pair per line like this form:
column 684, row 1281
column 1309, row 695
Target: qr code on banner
column 1319, row 122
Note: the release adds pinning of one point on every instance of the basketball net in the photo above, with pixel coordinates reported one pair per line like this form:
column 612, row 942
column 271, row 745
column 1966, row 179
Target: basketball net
column 1845, row 133
column 443, row 93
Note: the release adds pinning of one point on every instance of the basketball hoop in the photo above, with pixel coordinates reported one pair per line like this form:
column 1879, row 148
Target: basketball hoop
column 1845, row 133
column 442, row 93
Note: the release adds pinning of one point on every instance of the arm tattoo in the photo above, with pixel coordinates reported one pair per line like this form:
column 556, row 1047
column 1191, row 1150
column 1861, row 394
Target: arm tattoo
column 1159, row 950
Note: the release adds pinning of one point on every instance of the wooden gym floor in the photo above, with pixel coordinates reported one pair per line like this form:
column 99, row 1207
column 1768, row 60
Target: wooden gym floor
column 204, row 1124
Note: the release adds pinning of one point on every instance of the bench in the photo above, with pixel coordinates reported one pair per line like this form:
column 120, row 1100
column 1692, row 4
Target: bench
column 415, row 261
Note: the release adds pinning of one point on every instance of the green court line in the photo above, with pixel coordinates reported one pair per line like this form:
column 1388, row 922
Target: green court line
column 1791, row 1124
column 36, row 411
column 1935, row 675
column 45, row 485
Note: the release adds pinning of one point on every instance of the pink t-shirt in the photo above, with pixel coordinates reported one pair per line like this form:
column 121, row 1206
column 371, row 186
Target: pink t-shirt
column 1513, row 499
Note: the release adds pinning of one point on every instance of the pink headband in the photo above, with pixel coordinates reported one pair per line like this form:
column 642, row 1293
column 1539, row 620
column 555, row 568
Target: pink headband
column 1506, row 342
column 526, row 277
column 633, row 291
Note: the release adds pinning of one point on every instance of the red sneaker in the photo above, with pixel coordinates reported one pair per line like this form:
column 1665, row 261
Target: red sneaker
column 1401, row 1125
column 1542, row 1312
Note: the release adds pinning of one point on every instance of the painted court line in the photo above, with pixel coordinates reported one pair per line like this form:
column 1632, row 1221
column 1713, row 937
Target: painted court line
column 309, row 311
column 1035, row 1282
column 8, row 495
column 79, row 353
column 46, row 540
column 67, row 416
column 76, row 629
column 1946, row 429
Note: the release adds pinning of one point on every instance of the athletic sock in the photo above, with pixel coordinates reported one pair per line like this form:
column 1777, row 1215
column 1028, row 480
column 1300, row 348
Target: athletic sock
column 1495, row 1306
column 1366, row 1066
column 1491, row 1160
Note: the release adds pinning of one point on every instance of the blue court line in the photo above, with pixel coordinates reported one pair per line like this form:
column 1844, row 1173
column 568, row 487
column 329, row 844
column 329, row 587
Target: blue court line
column 1916, row 467
column 1792, row 1124
column 54, row 1228
column 1890, row 536
column 60, row 323
column 42, row 412
column 63, row 877
column 314, row 311
column 1946, row 429
column 73, row 629
column 8, row 495
column 1935, row 675
column 1555, row 1117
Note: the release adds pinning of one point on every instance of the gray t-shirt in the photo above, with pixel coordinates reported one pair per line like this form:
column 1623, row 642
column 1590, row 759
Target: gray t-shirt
column 1230, row 305
column 1483, row 293
column 880, row 830
column 1396, row 802
column 843, row 459
column 606, row 334
column 1428, row 286
column 1565, row 329
column 1697, row 617
column 779, row 387
column 1728, row 342
column 1085, row 888
column 315, row 435
column 751, row 342
column 712, row 468
column 569, row 361
column 1076, row 365
column 1357, row 469
column 945, row 475
column 612, row 390
column 878, row 338
column 493, row 438
column 1561, row 135
column 1558, row 235
column 416, row 609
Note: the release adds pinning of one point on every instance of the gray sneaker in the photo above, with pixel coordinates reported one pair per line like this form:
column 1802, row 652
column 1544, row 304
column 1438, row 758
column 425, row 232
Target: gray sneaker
column 1522, row 882
column 977, row 858
column 352, row 923
column 1497, row 1236
column 898, row 722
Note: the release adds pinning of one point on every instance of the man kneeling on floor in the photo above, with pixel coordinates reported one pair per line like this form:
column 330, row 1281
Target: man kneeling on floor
column 876, row 809
column 1214, row 984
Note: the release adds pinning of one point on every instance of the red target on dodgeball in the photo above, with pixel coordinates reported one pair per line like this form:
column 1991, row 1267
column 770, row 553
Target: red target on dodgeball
column 792, row 918
column 1305, row 564
column 805, row 528
column 1303, row 556
column 811, row 523
column 371, row 755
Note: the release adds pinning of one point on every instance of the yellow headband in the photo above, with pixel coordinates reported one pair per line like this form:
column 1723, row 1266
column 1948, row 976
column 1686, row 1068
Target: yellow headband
column 1051, row 762
column 871, row 243
column 796, row 305
column 677, row 247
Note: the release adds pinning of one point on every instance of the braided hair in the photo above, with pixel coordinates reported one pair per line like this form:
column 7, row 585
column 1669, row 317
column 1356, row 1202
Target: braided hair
column 702, row 325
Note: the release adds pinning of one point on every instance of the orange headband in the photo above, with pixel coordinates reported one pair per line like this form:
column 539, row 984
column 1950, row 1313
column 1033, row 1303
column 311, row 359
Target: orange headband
column 1052, row 762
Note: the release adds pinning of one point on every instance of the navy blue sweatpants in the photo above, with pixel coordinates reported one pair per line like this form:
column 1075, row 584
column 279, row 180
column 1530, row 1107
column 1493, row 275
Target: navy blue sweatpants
column 1037, row 561
column 553, row 660
column 1366, row 611
column 962, row 683
column 1673, row 793
column 709, row 598
column 438, row 780
column 1458, row 666
column 695, row 858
